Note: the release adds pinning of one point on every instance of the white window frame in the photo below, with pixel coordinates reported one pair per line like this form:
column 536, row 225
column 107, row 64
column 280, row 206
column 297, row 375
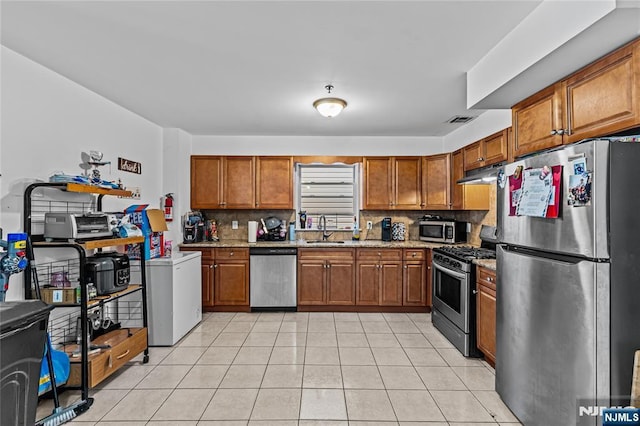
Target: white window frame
column 333, row 219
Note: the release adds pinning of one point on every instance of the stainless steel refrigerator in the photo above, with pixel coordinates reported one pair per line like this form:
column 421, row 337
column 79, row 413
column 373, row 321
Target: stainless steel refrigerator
column 568, row 295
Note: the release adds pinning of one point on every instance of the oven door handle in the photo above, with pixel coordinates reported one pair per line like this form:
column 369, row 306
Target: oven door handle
column 460, row 275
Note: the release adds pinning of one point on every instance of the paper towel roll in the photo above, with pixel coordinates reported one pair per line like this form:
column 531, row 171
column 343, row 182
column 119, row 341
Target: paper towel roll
column 253, row 231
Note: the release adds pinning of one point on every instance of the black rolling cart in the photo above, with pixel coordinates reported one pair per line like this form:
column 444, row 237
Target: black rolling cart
column 99, row 333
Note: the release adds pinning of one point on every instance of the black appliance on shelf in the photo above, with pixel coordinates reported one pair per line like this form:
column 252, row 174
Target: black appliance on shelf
column 386, row 229
column 109, row 271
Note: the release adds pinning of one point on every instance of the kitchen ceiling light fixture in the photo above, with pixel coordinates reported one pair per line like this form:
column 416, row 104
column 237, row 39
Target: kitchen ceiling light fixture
column 329, row 107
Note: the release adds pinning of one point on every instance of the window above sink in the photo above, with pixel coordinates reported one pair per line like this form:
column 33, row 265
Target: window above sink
column 331, row 190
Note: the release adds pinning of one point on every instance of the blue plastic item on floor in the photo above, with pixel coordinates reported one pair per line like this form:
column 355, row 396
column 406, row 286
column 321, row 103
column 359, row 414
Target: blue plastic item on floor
column 61, row 368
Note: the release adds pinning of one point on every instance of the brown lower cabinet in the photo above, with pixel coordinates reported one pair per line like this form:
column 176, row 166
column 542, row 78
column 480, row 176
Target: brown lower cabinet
column 326, row 277
column 486, row 313
column 379, row 277
column 225, row 278
column 416, row 278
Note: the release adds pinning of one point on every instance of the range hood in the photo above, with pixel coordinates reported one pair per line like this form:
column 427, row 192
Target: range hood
column 483, row 176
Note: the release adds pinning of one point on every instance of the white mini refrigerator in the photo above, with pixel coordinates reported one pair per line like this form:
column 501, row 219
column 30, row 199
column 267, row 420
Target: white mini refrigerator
column 174, row 296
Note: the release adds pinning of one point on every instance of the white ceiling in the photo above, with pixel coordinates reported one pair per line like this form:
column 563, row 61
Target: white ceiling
column 255, row 67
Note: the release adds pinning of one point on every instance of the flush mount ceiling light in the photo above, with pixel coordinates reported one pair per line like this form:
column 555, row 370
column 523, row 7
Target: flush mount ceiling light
column 329, row 107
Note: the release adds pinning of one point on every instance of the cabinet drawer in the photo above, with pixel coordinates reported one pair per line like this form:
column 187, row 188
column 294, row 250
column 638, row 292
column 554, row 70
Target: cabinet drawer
column 102, row 365
column 487, row 277
column 379, row 254
column 206, row 252
column 413, row 254
column 326, row 254
column 232, row 253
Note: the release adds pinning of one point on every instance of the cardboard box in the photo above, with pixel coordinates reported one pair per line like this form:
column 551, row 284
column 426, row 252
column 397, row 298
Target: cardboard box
column 152, row 224
column 60, row 295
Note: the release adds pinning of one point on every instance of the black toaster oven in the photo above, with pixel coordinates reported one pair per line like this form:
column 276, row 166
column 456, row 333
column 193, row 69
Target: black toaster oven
column 109, row 271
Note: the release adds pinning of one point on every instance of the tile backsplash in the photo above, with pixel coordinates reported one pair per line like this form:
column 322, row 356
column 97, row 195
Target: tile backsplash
column 224, row 220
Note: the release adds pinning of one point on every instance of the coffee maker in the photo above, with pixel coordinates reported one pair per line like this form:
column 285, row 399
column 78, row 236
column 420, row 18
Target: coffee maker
column 386, row 229
column 193, row 227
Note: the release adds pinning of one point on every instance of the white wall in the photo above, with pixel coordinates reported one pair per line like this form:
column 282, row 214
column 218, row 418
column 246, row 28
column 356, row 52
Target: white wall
column 315, row 145
column 483, row 126
column 48, row 121
column 176, row 179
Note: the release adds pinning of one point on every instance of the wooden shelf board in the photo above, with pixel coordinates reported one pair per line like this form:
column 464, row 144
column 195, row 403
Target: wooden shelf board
column 94, row 244
column 78, row 187
column 101, row 299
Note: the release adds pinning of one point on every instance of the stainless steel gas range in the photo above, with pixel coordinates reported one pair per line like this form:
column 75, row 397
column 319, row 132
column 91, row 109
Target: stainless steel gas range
column 454, row 288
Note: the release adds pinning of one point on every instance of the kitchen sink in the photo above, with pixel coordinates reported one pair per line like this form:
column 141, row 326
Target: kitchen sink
column 324, row 241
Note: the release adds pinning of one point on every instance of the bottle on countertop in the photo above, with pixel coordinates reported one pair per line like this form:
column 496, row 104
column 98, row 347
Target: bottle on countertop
column 292, row 231
column 356, row 229
column 309, row 222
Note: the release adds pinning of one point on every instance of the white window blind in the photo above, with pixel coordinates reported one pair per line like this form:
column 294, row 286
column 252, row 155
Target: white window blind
column 329, row 190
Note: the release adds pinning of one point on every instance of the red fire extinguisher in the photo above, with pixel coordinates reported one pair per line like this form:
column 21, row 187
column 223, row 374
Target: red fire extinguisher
column 168, row 207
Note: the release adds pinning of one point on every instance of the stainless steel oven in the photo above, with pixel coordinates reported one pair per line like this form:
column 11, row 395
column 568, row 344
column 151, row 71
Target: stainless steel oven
column 451, row 292
column 454, row 303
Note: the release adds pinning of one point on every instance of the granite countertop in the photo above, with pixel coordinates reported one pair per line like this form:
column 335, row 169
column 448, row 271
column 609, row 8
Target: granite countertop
column 486, row 263
column 306, row 244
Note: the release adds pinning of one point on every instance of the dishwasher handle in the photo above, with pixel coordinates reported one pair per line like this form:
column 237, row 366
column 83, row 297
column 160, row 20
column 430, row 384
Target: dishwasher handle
column 273, row 251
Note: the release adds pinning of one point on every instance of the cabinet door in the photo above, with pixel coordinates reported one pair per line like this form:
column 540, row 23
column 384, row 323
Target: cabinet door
column 341, row 288
column 391, row 283
column 457, row 172
column 534, row 120
column 311, row 282
column 207, row 284
column 414, row 284
column 407, row 183
column 603, row 98
column 231, row 282
column 239, row 183
column 436, row 185
column 486, row 321
column 473, row 155
column 495, row 147
column 367, row 283
column 206, row 182
column 377, row 191
column 274, row 182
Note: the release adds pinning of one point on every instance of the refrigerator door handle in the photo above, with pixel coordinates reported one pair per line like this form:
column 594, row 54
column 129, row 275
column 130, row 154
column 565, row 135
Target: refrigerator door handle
column 571, row 260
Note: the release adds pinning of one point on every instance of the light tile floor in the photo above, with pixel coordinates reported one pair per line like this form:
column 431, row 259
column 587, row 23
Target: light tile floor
column 306, row 369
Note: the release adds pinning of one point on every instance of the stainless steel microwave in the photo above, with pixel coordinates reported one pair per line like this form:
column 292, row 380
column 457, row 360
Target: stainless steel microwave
column 443, row 231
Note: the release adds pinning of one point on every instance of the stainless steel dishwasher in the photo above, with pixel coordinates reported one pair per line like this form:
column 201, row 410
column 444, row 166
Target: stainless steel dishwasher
column 272, row 282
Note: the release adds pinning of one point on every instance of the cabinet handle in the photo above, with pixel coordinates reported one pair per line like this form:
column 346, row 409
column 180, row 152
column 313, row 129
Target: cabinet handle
column 474, row 291
column 257, row 204
column 215, row 266
column 561, row 132
column 554, row 132
column 406, row 267
column 490, row 279
column 210, row 266
column 379, row 254
column 231, row 254
column 480, row 159
column 124, row 354
column 328, row 266
column 413, row 254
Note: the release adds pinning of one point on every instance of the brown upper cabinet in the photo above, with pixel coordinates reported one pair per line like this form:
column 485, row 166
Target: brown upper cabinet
column 241, row 182
column 600, row 99
column 466, row 197
column 392, row 183
column 274, row 182
column 436, row 182
column 487, row 151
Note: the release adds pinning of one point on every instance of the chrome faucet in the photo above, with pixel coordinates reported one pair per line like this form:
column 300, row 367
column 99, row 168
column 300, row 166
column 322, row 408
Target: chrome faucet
column 323, row 225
